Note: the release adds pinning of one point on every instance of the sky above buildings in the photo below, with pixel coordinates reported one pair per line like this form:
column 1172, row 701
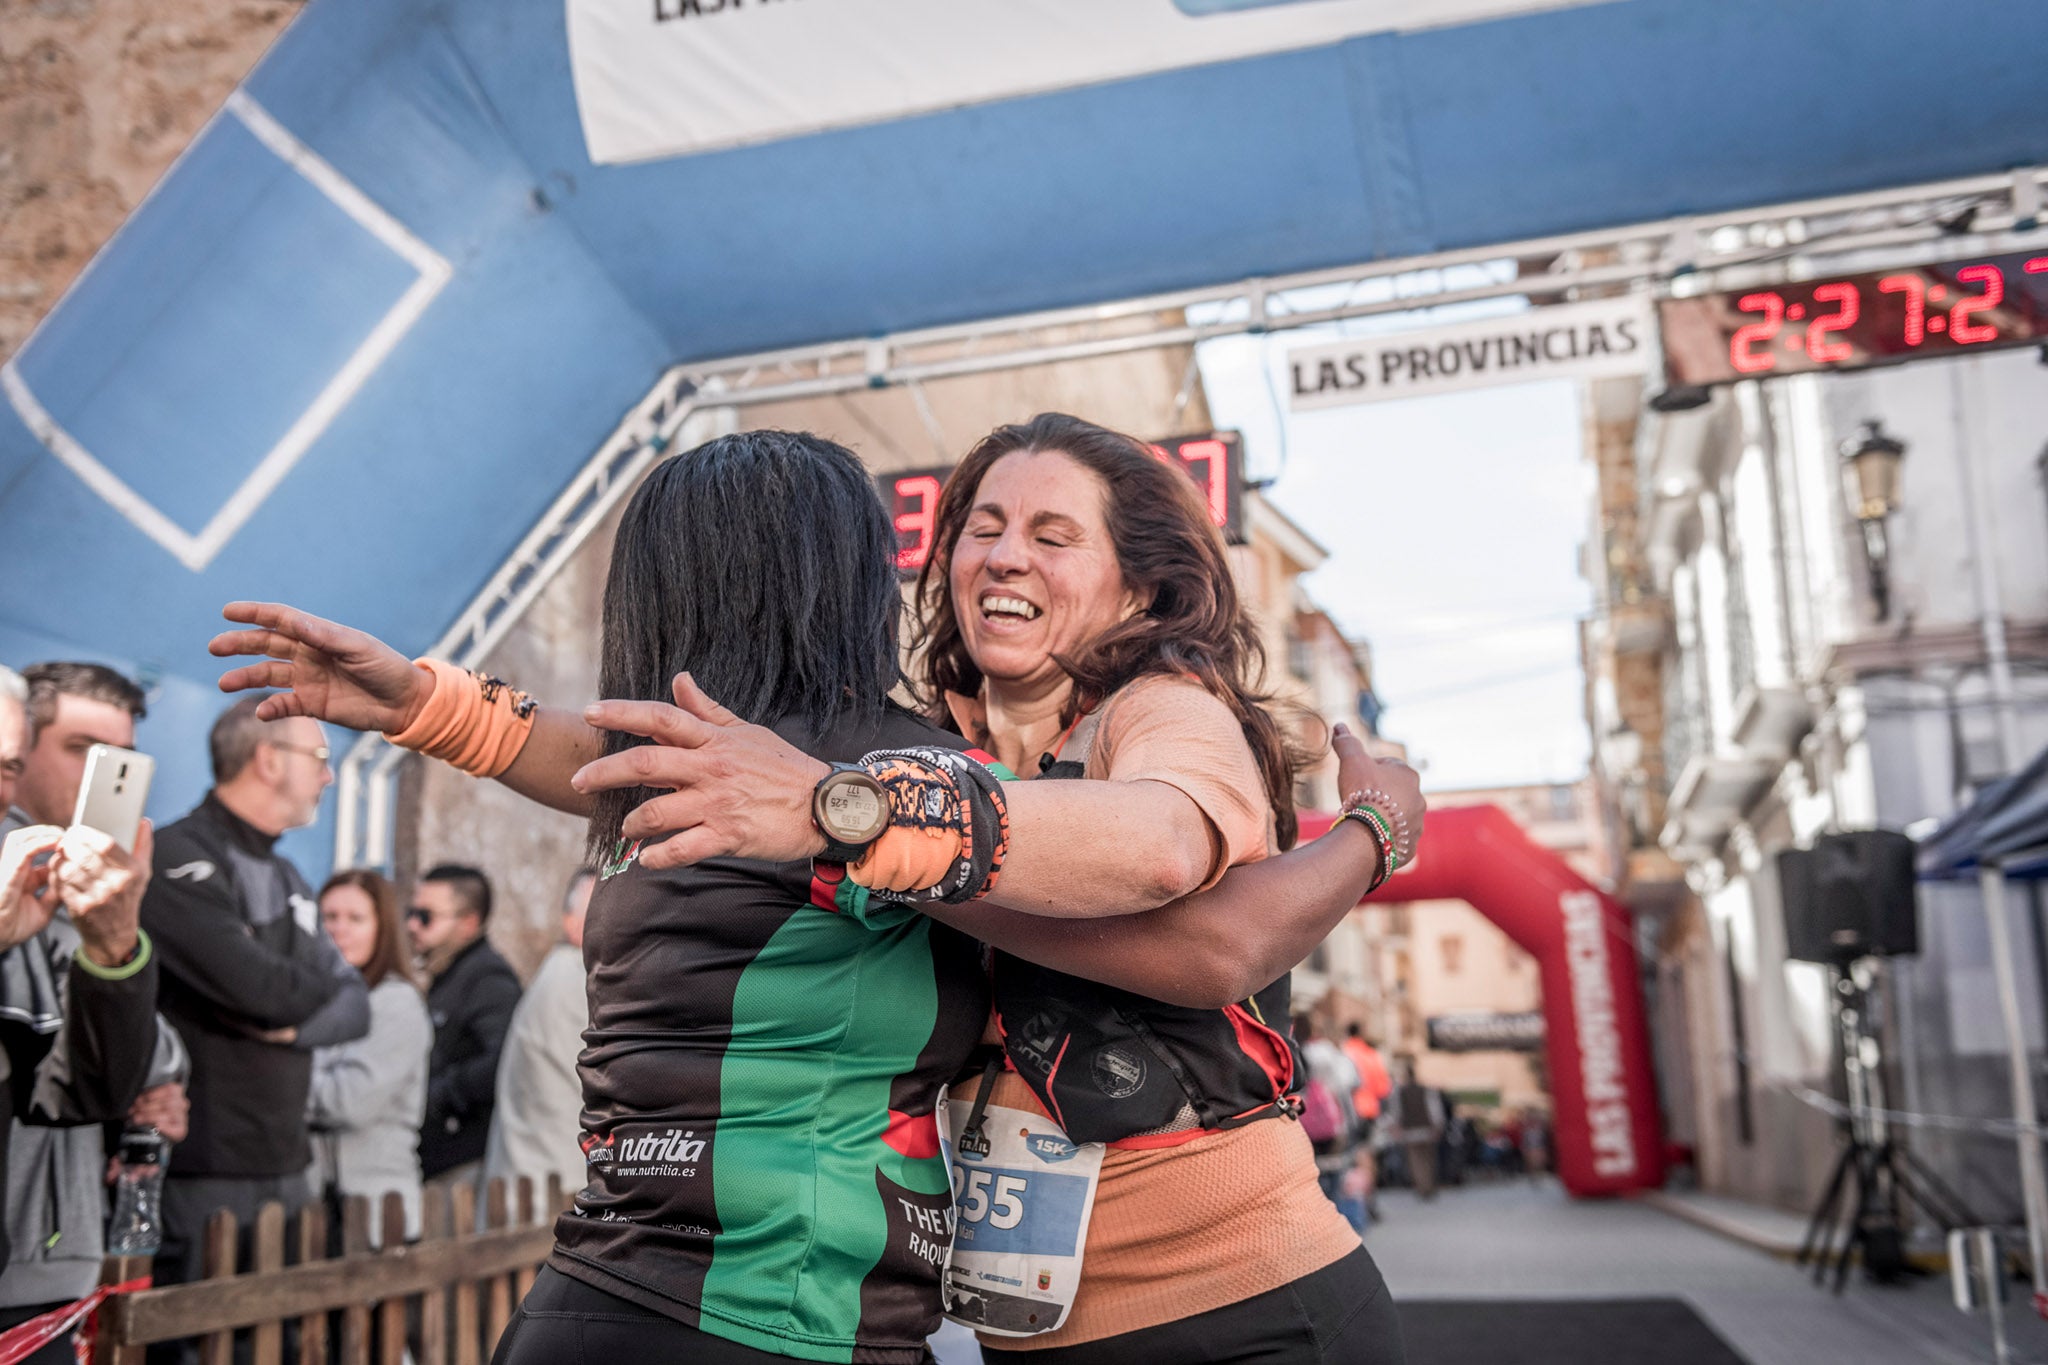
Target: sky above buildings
column 1454, row 525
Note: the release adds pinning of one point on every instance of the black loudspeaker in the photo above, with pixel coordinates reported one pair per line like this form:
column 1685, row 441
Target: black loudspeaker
column 1850, row 896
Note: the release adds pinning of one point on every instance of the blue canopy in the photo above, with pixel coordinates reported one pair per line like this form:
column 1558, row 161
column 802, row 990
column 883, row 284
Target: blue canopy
column 2006, row 825
column 385, row 304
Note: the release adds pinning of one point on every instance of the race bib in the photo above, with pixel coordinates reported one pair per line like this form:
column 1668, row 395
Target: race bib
column 1022, row 1194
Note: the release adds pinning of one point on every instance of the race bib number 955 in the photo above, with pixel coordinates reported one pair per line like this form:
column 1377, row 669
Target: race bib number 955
column 1022, row 1193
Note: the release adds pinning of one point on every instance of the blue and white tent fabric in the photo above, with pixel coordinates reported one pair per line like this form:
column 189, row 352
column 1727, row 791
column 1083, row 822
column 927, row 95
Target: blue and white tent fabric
column 389, row 299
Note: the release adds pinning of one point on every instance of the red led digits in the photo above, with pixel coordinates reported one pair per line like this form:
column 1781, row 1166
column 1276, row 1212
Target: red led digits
column 1206, row 460
column 1853, row 321
column 1915, row 290
column 1850, row 301
column 921, row 493
column 1959, row 325
column 1739, row 354
column 1215, row 481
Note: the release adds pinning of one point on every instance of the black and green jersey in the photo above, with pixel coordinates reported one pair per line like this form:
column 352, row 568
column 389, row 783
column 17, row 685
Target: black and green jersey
column 763, row 1063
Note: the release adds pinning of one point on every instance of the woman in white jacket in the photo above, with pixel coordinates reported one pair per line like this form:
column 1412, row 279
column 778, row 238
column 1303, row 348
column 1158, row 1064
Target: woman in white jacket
column 369, row 1096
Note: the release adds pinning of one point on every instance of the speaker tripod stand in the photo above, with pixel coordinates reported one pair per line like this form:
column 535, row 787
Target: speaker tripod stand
column 1879, row 1181
column 1874, row 1180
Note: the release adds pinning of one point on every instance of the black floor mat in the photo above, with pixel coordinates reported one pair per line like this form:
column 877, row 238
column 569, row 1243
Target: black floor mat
column 1560, row 1332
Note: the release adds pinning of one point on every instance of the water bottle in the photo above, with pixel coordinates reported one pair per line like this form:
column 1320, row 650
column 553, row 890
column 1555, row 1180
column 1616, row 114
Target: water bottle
column 138, row 1223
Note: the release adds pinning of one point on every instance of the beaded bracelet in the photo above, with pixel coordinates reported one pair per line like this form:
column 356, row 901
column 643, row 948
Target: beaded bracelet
column 1382, row 842
column 1389, row 811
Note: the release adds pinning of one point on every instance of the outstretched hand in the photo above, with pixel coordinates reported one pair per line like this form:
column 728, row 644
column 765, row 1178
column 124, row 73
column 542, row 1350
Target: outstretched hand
column 323, row 670
column 731, row 790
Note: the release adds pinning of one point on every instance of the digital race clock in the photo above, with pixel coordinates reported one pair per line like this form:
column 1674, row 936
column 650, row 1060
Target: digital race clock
column 1851, row 322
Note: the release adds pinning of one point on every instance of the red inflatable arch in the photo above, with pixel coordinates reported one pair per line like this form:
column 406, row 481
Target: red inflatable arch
column 1602, row 1086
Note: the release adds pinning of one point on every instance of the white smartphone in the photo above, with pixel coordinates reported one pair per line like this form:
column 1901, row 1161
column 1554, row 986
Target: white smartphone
column 111, row 797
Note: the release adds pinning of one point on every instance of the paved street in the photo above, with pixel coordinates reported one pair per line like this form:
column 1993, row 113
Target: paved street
column 1530, row 1241
column 1526, row 1241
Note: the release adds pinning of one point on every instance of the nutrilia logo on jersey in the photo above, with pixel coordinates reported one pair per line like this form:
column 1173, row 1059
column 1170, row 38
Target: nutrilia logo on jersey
column 656, row 1151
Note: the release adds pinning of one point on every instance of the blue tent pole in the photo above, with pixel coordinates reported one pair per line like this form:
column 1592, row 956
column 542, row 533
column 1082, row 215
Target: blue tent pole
column 2033, row 1178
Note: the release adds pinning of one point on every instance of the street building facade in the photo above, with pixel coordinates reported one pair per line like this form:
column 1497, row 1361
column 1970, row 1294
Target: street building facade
column 1776, row 655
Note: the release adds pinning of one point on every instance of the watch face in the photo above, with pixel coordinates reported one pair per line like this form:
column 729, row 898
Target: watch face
column 852, row 810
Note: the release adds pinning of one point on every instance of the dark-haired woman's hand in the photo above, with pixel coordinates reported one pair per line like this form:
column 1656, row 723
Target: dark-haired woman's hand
column 323, row 670
column 733, row 790
column 1358, row 770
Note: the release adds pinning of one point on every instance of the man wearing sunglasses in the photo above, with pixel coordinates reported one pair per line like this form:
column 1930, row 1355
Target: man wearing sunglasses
column 249, row 978
column 471, row 1000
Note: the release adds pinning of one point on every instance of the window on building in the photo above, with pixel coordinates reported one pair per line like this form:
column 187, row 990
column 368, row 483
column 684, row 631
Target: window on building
column 1564, row 802
column 1299, row 661
column 1453, row 949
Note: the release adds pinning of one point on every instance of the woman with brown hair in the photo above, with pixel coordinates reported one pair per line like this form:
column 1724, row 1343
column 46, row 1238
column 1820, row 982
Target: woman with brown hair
column 368, row 1096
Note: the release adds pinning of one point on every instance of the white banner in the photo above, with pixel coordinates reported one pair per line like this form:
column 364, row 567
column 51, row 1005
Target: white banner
column 671, row 77
column 1601, row 339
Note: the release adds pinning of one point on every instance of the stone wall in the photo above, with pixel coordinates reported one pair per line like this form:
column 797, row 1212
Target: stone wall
column 97, row 99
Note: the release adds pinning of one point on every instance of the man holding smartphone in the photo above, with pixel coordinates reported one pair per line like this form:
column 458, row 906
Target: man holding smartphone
column 77, row 991
column 249, row 978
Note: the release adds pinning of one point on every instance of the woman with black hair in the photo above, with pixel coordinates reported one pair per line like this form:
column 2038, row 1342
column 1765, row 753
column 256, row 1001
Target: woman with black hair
column 766, row 1049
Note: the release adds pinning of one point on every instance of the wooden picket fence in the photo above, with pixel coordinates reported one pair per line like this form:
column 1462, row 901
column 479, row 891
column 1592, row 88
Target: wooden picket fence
column 447, row 1297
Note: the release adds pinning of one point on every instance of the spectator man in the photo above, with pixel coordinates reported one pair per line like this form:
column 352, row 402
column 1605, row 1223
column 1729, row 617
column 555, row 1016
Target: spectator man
column 249, row 978
column 471, row 1002
column 1419, row 1114
column 78, row 989
column 1374, row 1085
column 537, row 1125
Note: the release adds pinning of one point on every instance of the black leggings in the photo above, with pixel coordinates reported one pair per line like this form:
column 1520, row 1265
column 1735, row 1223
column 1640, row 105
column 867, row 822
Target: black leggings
column 1341, row 1315
column 567, row 1322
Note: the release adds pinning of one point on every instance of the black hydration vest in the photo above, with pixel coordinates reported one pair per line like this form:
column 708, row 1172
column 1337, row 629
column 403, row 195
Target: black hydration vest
column 1110, row 1065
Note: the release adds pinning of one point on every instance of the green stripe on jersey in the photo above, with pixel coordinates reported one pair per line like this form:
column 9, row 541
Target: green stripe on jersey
column 800, row 1179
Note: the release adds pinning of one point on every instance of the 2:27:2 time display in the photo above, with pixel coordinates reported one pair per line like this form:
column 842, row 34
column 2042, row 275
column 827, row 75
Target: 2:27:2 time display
column 1852, row 321
column 1844, row 300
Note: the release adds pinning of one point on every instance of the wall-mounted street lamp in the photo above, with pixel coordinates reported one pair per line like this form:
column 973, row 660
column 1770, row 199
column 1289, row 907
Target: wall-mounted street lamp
column 1873, row 460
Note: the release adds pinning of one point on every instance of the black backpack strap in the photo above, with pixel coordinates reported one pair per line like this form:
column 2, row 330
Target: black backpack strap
column 991, row 1069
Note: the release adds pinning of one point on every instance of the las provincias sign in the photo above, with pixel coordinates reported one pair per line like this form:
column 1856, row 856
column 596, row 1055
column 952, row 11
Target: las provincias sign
column 1598, row 339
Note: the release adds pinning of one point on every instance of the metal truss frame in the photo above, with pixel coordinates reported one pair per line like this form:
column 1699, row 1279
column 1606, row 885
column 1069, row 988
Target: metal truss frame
column 1674, row 256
